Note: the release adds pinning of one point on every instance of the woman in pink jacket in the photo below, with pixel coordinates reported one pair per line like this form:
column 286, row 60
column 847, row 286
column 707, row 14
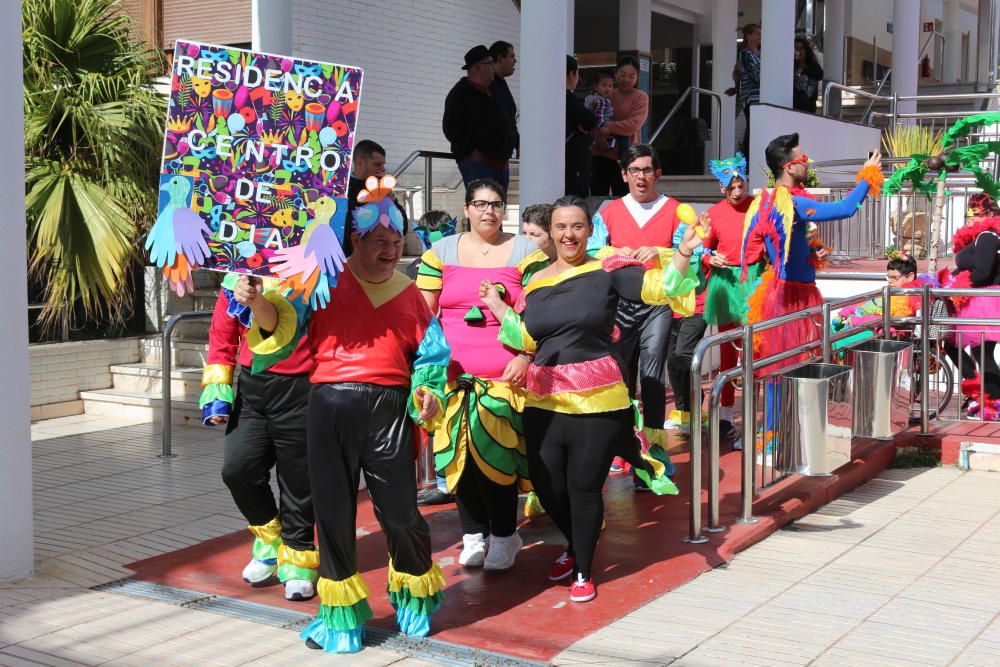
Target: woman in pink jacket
column 631, row 107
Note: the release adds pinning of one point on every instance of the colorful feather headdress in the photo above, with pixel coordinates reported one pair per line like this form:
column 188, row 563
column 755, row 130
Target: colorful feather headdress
column 726, row 170
column 376, row 207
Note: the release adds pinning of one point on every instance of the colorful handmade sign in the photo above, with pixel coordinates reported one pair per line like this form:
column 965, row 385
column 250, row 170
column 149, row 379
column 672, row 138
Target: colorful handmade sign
column 256, row 161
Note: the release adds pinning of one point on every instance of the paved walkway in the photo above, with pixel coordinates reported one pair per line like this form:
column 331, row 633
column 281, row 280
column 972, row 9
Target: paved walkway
column 901, row 571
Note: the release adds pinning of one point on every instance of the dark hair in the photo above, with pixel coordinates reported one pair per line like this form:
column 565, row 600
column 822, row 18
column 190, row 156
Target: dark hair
column 905, row 265
column 571, row 200
column 601, row 75
column 434, row 220
column 538, row 214
column 481, row 183
column 366, row 148
column 499, row 49
column 807, row 47
column 572, row 66
column 627, row 60
column 749, row 29
column 779, row 151
column 636, row 151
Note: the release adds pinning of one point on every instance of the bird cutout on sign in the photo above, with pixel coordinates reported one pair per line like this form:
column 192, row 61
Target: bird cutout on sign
column 310, row 269
column 176, row 243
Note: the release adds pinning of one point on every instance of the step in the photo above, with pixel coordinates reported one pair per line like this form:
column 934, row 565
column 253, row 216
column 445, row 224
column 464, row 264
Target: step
column 138, row 405
column 185, row 381
column 979, row 456
column 185, row 352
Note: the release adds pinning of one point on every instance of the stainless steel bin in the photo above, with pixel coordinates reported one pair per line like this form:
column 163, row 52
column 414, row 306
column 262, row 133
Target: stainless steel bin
column 816, row 415
column 883, row 388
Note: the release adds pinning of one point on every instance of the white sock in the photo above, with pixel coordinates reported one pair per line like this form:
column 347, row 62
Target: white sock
column 726, row 413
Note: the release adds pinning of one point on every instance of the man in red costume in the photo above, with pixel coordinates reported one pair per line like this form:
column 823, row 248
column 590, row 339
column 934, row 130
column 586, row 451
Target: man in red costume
column 639, row 223
column 266, row 427
column 379, row 360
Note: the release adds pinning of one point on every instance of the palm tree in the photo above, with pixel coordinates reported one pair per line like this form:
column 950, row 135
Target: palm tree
column 93, row 135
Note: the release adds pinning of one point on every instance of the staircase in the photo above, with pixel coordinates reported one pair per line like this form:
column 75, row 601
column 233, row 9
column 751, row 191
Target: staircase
column 136, row 391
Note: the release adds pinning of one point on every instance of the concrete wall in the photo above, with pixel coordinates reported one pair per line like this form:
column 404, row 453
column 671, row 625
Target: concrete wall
column 412, row 55
column 60, row 371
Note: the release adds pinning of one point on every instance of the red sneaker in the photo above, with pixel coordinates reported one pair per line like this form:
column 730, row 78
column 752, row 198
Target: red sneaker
column 582, row 590
column 562, row 567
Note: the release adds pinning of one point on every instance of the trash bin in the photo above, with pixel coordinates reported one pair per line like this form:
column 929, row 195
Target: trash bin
column 882, row 387
column 815, row 424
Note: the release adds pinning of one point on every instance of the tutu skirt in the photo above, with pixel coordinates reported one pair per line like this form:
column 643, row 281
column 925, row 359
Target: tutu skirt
column 980, row 307
column 726, row 296
column 773, row 298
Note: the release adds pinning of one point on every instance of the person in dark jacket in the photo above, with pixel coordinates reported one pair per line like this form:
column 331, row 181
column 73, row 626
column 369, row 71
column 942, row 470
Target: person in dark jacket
column 579, row 123
column 476, row 125
column 504, row 62
column 808, row 75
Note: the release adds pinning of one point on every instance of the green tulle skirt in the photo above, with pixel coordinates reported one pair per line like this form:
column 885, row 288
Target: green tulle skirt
column 727, row 295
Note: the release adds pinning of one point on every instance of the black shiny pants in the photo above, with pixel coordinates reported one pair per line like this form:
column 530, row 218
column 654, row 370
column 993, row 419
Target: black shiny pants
column 267, row 429
column 645, row 332
column 354, row 428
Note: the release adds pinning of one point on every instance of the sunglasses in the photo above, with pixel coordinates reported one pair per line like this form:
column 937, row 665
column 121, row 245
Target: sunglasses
column 803, row 159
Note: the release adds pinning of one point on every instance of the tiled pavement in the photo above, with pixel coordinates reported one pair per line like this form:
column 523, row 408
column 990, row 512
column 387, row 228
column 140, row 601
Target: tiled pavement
column 901, row 571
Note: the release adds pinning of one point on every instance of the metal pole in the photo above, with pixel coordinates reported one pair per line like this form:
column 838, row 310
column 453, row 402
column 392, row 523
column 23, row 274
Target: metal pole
column 749, row 427
column 427, row 184
column 982, row 375
column 925, row 356
column 825, row 333
column 886, row 314
column 694, row 531
column 165, row 431
column 714, row 400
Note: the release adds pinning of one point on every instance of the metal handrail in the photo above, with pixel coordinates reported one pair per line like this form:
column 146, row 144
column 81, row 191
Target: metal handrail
column 888, row 72
column 165, row 366
column 677, row 105
column 833, row 85
column 429, row 157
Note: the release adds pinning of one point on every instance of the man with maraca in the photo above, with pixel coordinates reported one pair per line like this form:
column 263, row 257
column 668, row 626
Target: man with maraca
column 642, row 225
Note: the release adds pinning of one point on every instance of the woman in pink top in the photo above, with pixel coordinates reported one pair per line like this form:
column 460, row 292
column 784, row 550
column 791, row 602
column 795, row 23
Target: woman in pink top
column 631, row 107
column 479, row 447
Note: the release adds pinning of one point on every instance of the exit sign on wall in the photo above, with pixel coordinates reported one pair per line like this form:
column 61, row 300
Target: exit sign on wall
column 929, row 26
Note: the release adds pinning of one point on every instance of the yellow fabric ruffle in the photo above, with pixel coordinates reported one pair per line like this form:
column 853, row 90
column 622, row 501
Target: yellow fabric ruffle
column 602, row 399
column 430, row 279
column 656, row 436
column 422, row 586
column 308, row 560
column 269, row 532
column 216, row 374
column 284, row 332
column 344, row 593
column 653, row 293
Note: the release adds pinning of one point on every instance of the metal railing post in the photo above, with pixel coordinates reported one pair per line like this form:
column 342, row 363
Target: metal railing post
column 694, row 529
column 165, row 367
column 886, row 313
column 714, row 400
column 428, row 184
column 825, row 333
column 749, row 428
column 925, row 355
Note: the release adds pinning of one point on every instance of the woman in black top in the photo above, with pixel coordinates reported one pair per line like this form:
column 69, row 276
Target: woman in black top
column 808, row 74
column 578, row 413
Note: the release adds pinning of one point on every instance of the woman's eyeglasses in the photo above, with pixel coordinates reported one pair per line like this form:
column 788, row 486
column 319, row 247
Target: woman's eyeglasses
column 481, row 205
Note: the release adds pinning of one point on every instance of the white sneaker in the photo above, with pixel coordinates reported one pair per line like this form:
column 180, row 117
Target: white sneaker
column 299, row 589
column 503, row 551
column 473, row 550
column 257, row 571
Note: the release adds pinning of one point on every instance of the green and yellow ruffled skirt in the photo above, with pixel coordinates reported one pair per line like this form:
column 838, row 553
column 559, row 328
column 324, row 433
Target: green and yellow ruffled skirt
column 727, row 295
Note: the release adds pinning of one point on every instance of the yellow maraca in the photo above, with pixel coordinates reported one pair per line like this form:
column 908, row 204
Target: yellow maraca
column 687, row 215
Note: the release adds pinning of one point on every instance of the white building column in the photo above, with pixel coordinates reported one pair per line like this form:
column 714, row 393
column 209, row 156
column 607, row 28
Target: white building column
column 777, row 52
column 570, row 25
column 905, row 48
column 723, row 23
column 833, row 48
column 17, row 549
column 635, row 25
column 271, row 27
column 952, row 29
column 543, row 101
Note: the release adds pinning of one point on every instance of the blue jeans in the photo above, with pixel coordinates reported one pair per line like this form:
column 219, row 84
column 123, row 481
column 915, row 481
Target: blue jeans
column 472, row 170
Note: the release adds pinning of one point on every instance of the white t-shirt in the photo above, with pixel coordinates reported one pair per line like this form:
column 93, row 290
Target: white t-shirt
column 643, row 212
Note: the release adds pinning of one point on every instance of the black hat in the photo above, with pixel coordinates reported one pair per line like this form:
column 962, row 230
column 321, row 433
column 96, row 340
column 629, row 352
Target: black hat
column 476, row 55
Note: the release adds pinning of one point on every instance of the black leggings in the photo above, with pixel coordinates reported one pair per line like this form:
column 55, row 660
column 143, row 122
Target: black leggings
column 267, row 429
column 568, row 457
column 645, row 331
column 483, row 505
column 357, row 427
column 685, row 334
